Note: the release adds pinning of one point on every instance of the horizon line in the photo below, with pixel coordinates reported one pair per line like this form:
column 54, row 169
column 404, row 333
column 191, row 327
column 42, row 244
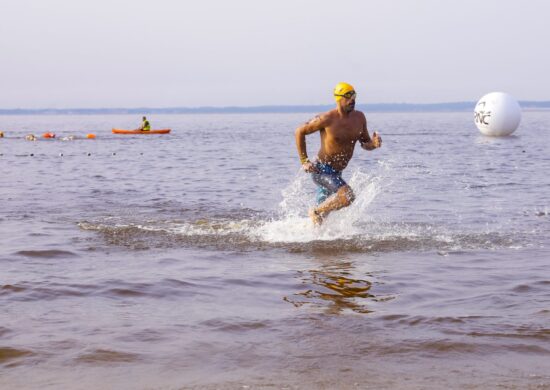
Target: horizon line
column 373, row 107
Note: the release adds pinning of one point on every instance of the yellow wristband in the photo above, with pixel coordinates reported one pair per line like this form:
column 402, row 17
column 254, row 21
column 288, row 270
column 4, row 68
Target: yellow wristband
column 304, row 160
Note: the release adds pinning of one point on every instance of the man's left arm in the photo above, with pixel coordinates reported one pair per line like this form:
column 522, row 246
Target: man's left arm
column 366, row 141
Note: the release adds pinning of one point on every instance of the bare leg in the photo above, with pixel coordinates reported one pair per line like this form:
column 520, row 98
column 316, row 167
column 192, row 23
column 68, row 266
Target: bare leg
column 342, row 198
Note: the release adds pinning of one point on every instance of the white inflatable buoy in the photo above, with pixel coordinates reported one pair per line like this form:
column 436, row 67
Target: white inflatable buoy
column 497, row 114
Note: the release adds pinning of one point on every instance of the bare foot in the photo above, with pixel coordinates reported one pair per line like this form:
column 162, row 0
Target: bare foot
column 316, row 218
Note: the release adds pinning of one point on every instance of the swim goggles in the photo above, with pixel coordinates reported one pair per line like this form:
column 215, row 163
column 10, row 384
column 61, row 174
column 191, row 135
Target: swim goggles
column 348, row 95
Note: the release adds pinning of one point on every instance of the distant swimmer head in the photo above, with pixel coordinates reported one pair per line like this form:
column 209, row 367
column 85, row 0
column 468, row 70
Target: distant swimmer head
column 344, row 90
column 144, row 118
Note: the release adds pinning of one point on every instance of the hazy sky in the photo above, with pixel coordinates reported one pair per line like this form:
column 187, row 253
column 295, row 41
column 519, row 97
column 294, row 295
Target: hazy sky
column 164, row 53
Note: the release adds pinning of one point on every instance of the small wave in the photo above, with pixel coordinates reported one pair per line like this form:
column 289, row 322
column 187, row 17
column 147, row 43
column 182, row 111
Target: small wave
column 299, row 235
column 407, row 320
column 165, row 289
column 11, row 356
column 542, row 213
column 533, row 286
column 46, row 254
column 10, row 288
column 233, row 325
column 43, row 291
column 444, row 347
column 537, row 334
column 113, row 289
column 108, row 356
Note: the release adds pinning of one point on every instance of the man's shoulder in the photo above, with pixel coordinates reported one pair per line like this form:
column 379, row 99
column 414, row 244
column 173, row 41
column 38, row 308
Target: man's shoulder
column 359, row 114
column 360, row 117
column 326, row 117
column 330, row 114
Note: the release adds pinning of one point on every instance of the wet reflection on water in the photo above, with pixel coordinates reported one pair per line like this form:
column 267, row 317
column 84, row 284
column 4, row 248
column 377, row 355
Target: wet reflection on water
column 335, row 287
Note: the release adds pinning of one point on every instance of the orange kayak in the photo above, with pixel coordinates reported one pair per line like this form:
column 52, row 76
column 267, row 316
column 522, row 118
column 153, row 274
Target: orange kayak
column 121, row 131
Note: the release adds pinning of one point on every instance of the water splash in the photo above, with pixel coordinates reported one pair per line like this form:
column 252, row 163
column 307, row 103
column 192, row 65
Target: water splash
column 293, row 225
column 366, row 225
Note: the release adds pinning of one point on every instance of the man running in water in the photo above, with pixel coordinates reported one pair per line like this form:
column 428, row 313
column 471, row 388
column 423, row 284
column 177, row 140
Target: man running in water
column 340, row 129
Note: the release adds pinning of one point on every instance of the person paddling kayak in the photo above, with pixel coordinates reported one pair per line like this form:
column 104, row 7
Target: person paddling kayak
column 145, row 125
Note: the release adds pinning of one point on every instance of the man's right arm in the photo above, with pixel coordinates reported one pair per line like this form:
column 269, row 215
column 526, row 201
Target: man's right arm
column 316, row 124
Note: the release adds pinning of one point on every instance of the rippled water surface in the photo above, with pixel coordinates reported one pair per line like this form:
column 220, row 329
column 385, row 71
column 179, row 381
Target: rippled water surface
column 187, row 260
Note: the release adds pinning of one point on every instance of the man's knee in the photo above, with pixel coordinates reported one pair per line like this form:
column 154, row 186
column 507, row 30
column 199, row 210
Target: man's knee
column 346, row 195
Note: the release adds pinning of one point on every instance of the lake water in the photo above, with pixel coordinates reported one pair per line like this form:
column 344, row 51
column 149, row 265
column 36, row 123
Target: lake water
column 187, row 260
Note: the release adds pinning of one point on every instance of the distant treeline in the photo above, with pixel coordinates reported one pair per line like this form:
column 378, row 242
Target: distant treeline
column 378, row 107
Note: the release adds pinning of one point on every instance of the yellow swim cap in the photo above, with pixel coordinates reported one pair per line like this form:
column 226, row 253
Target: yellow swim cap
column 341, row 89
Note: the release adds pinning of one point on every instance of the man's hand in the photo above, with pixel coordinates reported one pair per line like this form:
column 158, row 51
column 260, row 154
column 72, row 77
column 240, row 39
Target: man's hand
column 309, row 167
column 376, row 140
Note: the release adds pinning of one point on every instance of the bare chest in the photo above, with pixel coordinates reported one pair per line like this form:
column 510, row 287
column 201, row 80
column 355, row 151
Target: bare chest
column 344, row 132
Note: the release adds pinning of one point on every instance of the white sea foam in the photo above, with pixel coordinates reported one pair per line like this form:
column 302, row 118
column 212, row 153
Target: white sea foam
column 368, row 221
column 293, row 224
column 204, row 227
